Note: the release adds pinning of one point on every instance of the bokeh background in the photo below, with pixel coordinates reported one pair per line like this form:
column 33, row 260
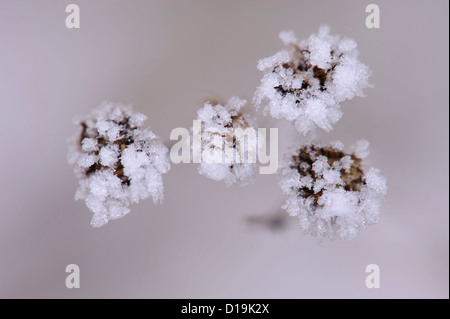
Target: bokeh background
column 163, row 57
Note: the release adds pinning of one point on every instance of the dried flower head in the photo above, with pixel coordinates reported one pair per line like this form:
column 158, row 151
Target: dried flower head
column 307, row 83
column 225, row 156
column 330, row 192
column 116, row 161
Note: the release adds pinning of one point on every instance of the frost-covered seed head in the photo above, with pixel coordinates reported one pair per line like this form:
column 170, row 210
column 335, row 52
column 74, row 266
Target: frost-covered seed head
column 330, row 192
column 303, row 162
column 116, row 161
column 223, row 120
column 307, row 83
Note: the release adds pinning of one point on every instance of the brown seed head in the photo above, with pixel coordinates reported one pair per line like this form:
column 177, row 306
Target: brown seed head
column 352, row 178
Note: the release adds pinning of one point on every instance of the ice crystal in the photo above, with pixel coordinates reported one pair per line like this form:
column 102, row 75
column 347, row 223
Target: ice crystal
column 329, row 191
column 116, row 161
column 225, row 155
column 307, row 83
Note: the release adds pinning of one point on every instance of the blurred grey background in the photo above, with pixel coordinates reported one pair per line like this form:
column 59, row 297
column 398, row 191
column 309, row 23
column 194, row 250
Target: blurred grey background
column 163, row 57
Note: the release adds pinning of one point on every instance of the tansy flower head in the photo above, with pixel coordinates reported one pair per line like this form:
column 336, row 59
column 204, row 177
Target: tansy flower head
column 116, row 161
column 306, row 83
column 330, row 192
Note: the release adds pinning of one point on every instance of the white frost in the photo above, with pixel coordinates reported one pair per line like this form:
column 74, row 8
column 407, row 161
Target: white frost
column 116, row 161
column 225, row 159
column 338, row 212
column 307, row 84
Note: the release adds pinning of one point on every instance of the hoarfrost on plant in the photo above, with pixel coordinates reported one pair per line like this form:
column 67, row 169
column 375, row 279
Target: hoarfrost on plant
column 225, row 156
column 329, row 192
column 116, row 161
column 306, row 83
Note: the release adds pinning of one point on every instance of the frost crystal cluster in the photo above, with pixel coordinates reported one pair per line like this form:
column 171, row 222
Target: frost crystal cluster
column 225, row 155
column 116, row 161
column 329, row 191
column 306, row 83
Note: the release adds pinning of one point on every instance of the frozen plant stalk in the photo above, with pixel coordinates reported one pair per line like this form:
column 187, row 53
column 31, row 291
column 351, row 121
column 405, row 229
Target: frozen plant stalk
column 330, row 192
column 116, row 161
column 306, row 83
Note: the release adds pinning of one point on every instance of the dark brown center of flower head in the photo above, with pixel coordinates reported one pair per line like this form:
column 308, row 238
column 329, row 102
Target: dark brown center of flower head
column 101, row 142
column 352, row 177
column 300, row 66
